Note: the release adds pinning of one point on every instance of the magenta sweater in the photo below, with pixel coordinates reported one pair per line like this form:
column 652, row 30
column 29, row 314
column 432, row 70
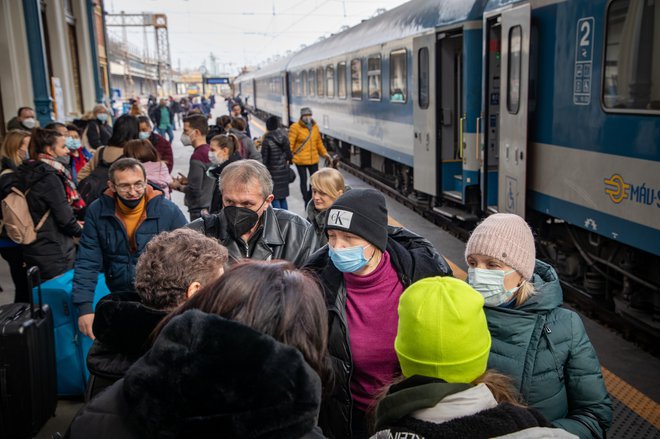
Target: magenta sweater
column 371, row 313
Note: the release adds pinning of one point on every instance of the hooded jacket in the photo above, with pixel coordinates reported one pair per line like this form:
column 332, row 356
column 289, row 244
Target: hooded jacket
column 247, row 143
column 208, row 377
column 122, row 326
column 413, row 258
column 104, row 246
column 309, row 153
column 547, row 352
column 282, row 235
column 276, row 154
column 54, row 251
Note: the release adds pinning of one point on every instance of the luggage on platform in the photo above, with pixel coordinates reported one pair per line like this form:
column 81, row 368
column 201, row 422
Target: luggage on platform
column 27, row 366
column 71, row 346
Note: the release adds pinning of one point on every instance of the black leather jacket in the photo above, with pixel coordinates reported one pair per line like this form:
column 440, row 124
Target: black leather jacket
column 282, row 235
column 413, row 258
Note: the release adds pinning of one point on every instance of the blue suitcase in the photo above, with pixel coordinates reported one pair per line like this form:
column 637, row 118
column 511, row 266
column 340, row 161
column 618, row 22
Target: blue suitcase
column 71, row 346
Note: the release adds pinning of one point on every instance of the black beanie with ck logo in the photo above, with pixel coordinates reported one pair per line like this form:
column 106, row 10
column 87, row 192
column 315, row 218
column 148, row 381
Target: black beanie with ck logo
column 362, row 212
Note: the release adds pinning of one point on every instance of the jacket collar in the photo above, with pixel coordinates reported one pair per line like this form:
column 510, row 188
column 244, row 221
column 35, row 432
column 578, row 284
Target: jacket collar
column 271, row 234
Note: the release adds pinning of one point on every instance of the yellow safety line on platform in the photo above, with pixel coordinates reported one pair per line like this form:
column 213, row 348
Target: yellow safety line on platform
column 253, row 121
column 635, row 400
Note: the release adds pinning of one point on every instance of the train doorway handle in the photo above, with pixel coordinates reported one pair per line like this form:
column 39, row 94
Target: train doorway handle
column 478, row 142
column 461, row 145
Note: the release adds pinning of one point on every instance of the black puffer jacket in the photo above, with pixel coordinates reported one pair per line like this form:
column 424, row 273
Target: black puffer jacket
column 122, row 326
column 282, row 235
column 208, row 377
column 54, row 251
column 413, row 258
column 276, row 155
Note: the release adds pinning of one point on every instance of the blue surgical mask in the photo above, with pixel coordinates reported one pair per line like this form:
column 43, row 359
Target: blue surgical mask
column 103, row 117
column 490, row 284
column 71, row 143
column 348, row 260
column 144, row 135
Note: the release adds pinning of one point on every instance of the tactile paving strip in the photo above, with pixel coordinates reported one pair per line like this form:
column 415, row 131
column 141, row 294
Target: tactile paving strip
column 626, row 424
column 635, row 414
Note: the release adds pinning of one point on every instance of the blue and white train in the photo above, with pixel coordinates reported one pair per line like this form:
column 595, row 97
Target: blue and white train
column 545, row 108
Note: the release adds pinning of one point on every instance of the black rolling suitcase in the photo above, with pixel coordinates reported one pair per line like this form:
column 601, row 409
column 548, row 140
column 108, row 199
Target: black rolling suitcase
column 28, row 388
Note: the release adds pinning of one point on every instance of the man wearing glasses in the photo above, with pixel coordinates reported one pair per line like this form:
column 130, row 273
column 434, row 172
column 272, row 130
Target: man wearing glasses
column 117, row 228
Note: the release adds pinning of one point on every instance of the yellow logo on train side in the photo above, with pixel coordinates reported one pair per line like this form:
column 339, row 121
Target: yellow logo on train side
column 616, row 188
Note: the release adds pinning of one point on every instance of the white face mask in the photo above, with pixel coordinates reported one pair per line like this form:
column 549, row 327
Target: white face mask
column 214, row 159
column 29, row 123
column 490, row 284
column 186, row 140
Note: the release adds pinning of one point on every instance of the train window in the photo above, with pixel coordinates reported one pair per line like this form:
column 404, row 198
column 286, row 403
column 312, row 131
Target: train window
column 356, row 78
column 303, row 83
column 423, row 80
column 320, row 81
column 373, row 77
column 297, row 85
column 632, row 56
column 341, row 80
column 398, row 76
column 515, row 69
column 310, row 84
column 330, row 81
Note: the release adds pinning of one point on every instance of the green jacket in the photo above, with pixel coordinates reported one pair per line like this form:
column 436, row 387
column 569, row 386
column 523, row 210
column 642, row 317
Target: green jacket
column 547, row 352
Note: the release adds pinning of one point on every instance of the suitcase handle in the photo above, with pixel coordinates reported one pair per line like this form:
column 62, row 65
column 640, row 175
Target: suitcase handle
column 33, row 273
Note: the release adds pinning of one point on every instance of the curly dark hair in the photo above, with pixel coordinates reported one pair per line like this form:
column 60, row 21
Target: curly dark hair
column 172, row 261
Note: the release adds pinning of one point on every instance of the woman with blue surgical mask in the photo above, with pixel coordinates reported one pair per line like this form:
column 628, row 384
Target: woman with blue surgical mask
column 363, row 270
column 542, row 346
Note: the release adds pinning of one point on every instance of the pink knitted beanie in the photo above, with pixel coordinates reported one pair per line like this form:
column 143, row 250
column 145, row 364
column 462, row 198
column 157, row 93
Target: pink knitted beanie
column 506, row 237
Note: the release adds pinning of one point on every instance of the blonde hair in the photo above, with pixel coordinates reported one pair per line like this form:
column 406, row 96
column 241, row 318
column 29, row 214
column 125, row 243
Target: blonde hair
column 329, row 181
column 501, row 386
column 525, row 291
column 12, row 144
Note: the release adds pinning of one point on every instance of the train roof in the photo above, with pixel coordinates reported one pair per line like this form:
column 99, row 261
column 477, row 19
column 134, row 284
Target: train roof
column 408, row 19
column 275, row 67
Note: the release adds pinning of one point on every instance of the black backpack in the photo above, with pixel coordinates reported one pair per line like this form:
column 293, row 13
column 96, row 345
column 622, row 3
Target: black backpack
column 92, row 186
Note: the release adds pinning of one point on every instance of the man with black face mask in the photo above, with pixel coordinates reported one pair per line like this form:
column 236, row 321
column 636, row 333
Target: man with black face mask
column 248, row 225
column 118, row 226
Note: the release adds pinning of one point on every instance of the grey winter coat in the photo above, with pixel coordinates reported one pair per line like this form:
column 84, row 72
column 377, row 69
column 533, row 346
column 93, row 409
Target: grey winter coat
column 547, row 352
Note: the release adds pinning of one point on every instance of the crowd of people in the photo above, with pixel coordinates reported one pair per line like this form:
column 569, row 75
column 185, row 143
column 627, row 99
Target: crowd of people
column 251, row 321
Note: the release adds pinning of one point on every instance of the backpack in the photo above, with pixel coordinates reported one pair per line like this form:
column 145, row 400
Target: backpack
column 16, row 217
column 92, row 186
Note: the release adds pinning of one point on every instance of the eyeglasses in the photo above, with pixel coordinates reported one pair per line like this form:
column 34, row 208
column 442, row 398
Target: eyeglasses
column 125, row 187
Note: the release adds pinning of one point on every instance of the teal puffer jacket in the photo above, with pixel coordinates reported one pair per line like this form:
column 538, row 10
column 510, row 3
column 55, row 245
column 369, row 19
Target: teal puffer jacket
column 547, row 352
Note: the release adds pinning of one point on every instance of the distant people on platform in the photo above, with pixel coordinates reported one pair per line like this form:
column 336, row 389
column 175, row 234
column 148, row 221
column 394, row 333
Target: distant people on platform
column 163, row 119
column 327, row 185
column 118, row 226
column 248, row 225
column 237, row 111
column 162, row 145
column 175, row 108
column 224, row 151
column 248, row 149
column 157, row 173
column 442, row 344
column 307, row 146
column 276, row 155
column 363, row 271
column 135, row 110
column 24, row 120
column 222, row 125
column 79, row 154
column 13, row 151
column 125, row 129
column 52, row 198
column 197, row 186
column 529, row 327
column 244, row 357
column 185, row 108
column 173, row 267
column 97, row 132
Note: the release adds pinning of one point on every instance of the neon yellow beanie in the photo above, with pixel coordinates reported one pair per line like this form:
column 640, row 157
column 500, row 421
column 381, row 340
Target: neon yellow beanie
column 442, row 331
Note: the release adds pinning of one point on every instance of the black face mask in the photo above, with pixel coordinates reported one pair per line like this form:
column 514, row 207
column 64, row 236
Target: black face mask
column 240, row 220
column 131, row 204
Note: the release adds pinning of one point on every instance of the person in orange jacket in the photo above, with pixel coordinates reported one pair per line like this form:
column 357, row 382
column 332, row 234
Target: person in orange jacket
column 306, row 146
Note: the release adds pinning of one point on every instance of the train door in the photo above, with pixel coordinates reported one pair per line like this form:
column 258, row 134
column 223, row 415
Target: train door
column 285, row 99
column 504, row 169
column 452, row 115
column 425, row 160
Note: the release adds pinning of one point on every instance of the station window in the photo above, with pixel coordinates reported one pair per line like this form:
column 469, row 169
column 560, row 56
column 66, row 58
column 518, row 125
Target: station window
column 330, row 81
column 423, row 80
column 341, row 80
column 320, row 81
column 515, row 69
column 398, row 76
column 356, row 78
column 374, row 78
column 310, row 84
column 303, row 83
column 632, row 56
